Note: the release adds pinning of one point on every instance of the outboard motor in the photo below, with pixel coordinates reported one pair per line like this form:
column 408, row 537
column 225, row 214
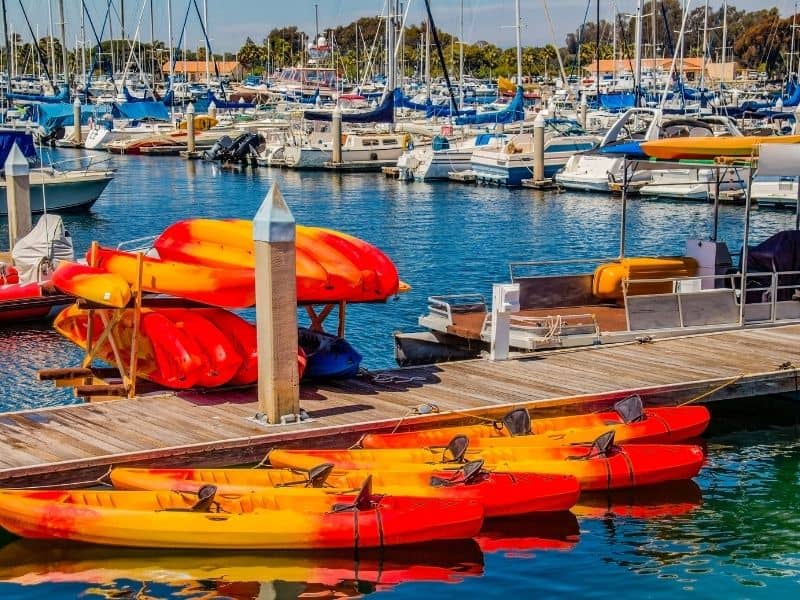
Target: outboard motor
column 219, row 150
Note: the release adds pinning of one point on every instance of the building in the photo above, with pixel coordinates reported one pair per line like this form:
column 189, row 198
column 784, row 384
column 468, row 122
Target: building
column 691, row 68
column 195, row 70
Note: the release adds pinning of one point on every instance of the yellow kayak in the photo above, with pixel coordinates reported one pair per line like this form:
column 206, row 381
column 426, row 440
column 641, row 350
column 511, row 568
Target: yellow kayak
column 712, row 147
column 207, row 520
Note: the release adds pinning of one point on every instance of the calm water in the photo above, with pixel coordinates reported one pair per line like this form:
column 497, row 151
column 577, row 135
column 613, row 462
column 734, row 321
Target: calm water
column 735, row 534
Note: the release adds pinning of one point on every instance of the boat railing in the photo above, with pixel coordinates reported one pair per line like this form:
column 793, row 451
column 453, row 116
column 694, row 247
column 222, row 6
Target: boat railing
column 447, row 305
column 773, row 301
column 85, row 163
column 137, row 244
column 548, row 267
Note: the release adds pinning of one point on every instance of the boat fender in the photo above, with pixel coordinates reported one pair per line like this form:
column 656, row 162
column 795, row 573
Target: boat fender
column 454, row 451
column 465, row 475
column 517, row 422
column 630, row 409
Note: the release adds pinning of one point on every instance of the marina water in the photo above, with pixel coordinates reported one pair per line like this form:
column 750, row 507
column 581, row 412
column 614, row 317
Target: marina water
column 738, row 535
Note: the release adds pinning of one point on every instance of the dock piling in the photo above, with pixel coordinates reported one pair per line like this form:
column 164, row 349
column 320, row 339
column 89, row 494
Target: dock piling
column 76, row 121
column 336, row 121
column 190, row 128
column 584, row 107
column 276, row 310
column 538, row 148
column 18, row 196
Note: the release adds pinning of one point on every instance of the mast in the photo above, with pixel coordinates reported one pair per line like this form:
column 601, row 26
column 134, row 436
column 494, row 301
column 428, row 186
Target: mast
column 83, row 47
column 638, row 75
column 171, row 50
column 152, row 46
column 597, row 49
column 725, row 36
column 7, row 47
column 791, row 52
column 518, row 27
column 428, row 58
column 705, row 52
column 208, row 46
column 461, row 57
column 390, row 33
column 50, row 34
column 63, row 42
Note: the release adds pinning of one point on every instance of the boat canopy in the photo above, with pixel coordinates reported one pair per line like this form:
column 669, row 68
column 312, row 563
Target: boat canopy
column 617, row 101
column 513, row 112
column 50, row 117
column 384, row 113
column 61, row 96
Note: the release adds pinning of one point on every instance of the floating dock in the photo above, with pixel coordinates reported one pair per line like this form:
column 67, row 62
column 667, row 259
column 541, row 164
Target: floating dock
column 79, row 443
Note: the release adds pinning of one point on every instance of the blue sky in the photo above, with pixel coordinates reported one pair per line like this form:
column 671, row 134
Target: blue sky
column 231, row 21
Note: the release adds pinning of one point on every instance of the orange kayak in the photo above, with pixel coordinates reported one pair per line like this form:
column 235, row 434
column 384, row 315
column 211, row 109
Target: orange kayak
column 602, row 466
column 91, row 283
column 331, row 266
column 166, row 519
column 500, row 494
column 655, row 425
column 712, row 147
column 226, row 287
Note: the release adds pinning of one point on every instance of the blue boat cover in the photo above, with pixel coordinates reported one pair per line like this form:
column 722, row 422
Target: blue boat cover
column 141, row 110
column 618, row 101
column 23, row 140
column 384, row 113
column 61, row 96
column 515, row 111
column 50, row 117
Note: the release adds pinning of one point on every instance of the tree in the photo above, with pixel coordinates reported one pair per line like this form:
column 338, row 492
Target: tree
column 250, row 54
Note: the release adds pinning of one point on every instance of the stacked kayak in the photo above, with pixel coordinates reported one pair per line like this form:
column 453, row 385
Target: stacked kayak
column 12, row 290
column 630, row 422
column 500, row 494
column 178, row 348
column 600, row 466
column 207, row 520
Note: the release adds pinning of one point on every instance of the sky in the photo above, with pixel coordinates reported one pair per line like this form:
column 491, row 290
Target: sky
column 231, row 21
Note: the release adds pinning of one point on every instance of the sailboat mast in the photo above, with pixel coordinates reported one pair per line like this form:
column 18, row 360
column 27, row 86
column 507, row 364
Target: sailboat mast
column 6, row 49
column 597, row 49
column 705, row 49
column 390, row 42
column 518, row 27
column 638, row 43
column 428, row 58
column 51, row 35
column 791, row 51
column 208, row 46
column 63, row 41
column 83, row 47
column 461, row 57
column 725, row 36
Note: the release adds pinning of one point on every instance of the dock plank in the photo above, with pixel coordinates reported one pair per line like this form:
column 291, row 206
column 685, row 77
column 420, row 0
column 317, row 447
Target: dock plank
column 67, row 443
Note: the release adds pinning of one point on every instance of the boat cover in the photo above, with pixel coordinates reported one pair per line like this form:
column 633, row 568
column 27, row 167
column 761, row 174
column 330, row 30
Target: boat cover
column 25, row 143
column 384, row 113
column 141, row 110
column 39, row 252
column 515, row 111
column 781, row 252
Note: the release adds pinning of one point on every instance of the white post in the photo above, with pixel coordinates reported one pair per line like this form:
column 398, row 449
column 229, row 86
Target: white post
column 190, row 128
column 212, row 110
column 276, row 309
column 18, row 196
column 584, row 107
column 505, row 300
column 76, row 120
column 538, row 148
column 337, row 136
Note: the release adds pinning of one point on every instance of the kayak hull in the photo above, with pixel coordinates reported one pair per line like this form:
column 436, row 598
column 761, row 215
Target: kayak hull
column 254, row 521
column 500, row 494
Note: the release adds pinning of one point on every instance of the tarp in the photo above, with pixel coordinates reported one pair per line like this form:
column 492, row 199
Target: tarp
column 50, row 117
column 384, row 113
column 139, row 111
column 618, row 101
column 62, row 96
column 23, row 140
column 47, row 242
column 515, row 111
column 781, row 252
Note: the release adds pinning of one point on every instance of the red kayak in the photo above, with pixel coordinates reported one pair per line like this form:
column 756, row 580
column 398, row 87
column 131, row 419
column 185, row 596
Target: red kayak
column 630, row 422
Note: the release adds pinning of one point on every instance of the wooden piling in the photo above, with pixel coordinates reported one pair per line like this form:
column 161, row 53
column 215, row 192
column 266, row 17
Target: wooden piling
column 538, row 148
column 190, row 128
column 336, row 122
column 76, row 121
column 276, row 309
column 18, row 196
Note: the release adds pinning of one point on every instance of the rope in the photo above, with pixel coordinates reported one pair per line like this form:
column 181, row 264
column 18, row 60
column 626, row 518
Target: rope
column 388, row 377
column 714, row 390
column 101, row 481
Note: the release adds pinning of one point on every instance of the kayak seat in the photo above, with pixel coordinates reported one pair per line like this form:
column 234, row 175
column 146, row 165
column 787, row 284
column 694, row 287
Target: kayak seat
column 517, row 422
column 465, row 475
column 362, row 502
column 630, row 409
column 456, row 449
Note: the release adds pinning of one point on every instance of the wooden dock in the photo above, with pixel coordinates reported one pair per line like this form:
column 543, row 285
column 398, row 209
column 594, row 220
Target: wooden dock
column 78, row 443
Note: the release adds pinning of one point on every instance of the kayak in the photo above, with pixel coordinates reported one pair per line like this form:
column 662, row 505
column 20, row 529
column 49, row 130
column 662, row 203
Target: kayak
column 207, row 520
column 178, row 348
column 712, row 147
column 36, row 562
column 500, row 494
column 93, row 284
column 601, row 466
column 331, row 266
column 216, row 286
column 328, row 356
column 655, row 425
column 15, row 292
